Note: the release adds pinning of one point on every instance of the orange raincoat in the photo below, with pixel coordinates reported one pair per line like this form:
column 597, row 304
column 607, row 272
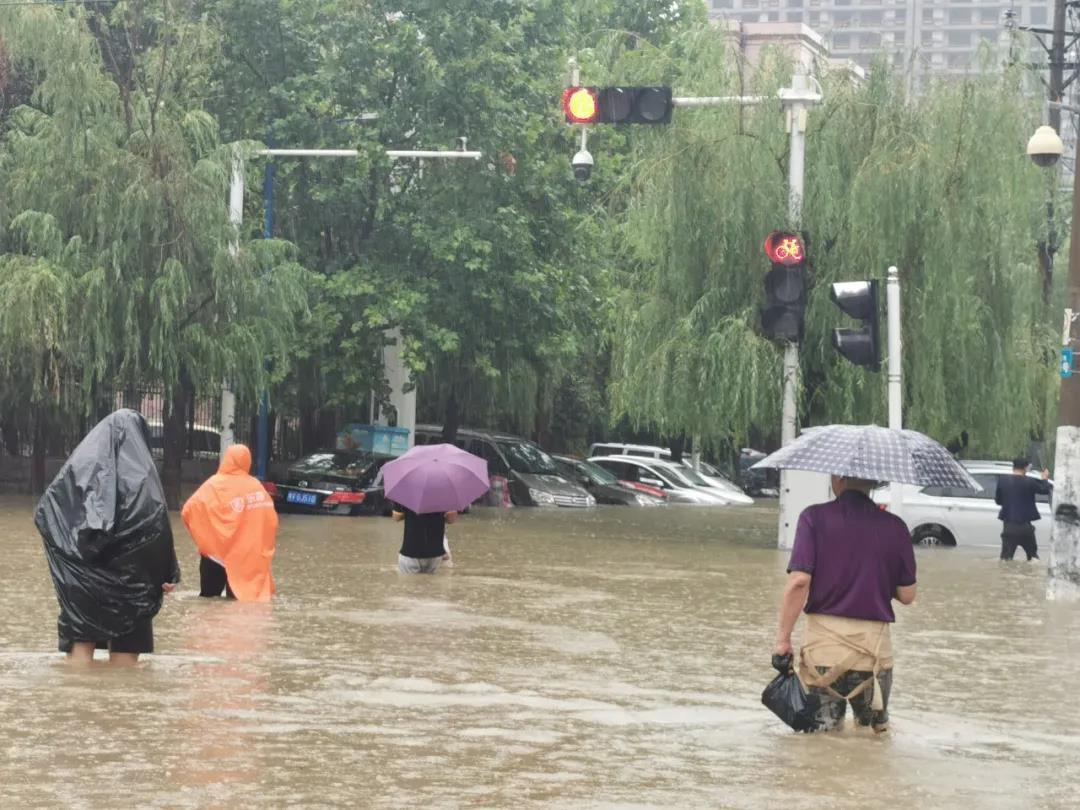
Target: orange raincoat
column 232, row 519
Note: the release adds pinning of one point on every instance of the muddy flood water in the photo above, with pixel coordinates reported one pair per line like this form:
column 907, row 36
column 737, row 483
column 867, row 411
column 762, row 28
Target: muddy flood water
column 613, row 658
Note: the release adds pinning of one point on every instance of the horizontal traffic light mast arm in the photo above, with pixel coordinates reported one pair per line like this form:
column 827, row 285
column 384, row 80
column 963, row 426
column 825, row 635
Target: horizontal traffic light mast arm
column 717, row 101
column 449, row 154
column 788, row 95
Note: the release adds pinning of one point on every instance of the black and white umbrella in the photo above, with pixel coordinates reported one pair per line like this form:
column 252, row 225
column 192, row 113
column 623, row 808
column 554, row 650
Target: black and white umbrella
column 874, row 453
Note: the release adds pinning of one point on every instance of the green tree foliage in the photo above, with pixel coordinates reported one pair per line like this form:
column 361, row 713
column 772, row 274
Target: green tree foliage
column 483, row 266
column 115, row 226
column 938, row 186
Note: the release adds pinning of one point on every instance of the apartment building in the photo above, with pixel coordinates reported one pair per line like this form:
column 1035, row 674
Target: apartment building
column 923, row 36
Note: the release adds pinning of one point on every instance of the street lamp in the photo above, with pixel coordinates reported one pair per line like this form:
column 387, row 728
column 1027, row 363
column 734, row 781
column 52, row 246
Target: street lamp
column 1063, row 571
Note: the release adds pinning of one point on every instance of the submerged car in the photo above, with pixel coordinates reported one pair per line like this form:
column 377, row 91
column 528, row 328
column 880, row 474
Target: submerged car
column 332, row 482
column 664, row 476
column 532, row 476
column 949, row 516
column 706, row 475
column 605, row 487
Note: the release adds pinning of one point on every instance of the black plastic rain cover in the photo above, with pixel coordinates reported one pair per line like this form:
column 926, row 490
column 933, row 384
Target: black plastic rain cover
column 107, row 533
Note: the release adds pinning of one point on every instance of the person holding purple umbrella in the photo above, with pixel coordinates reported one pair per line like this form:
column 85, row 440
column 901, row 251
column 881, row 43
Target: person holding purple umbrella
column 429, row 485
column 422, row 548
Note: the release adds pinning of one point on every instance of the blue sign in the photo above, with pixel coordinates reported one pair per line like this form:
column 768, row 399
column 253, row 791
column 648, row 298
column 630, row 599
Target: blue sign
column 1066, row 362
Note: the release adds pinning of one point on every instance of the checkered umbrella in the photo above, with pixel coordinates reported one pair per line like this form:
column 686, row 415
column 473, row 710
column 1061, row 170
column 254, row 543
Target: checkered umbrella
column 874, row 453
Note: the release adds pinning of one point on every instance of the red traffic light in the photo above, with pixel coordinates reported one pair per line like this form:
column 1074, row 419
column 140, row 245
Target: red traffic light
column 581, row 105
column 784, row 248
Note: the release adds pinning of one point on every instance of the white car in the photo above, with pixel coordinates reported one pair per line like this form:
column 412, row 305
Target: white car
column 664, row 475
column 707, row 475
column 945, row 516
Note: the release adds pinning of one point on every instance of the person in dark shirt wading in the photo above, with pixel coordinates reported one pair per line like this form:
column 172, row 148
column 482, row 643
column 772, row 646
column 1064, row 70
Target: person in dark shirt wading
column 1016, row 496
column 849, row 562
column 422, row 548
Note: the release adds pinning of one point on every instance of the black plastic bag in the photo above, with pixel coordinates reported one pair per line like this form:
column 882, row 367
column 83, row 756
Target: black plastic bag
column 787, row 698
column 106, row 531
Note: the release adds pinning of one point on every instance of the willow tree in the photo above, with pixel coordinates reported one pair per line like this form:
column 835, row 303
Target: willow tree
column 114, row 160
column 937, row 185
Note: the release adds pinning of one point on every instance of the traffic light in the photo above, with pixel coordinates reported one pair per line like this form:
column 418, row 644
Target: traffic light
column 785, row 288
column 860, row 345
column 617, row 105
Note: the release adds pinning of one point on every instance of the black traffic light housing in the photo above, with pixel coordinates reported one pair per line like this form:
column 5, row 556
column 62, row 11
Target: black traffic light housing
column 618, row 105
column 786, row 285
column 862, row 344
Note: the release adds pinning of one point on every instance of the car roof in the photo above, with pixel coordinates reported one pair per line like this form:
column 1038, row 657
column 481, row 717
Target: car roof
column 627, row 446
column 642, row 460
column 476, row 433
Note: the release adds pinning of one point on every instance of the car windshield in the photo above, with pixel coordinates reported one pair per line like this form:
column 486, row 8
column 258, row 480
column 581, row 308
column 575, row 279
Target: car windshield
column 527, row 458
column 352, row 465
column 691, row 476
column 598, row 475
column 671, row 476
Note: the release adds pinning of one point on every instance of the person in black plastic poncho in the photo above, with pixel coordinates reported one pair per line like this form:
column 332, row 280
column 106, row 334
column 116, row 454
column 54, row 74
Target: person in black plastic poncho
column 108, row 542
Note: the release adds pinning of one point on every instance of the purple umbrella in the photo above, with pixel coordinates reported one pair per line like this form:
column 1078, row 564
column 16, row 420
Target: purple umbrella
column 436, row 478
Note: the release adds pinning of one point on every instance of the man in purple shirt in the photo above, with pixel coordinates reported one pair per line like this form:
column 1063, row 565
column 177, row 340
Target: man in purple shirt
column 850, row 560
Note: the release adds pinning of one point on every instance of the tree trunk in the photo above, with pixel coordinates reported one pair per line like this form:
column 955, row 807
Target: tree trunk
column 175, row 445
column 309, row 438
column 9, row 431
column 271, row 432
column 542, row 423
column 452, row 420
column 37, row 465
column 677, row 447
column 327, row 428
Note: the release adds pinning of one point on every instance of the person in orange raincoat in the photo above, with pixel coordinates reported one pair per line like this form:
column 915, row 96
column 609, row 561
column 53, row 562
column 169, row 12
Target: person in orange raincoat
column 234, row 524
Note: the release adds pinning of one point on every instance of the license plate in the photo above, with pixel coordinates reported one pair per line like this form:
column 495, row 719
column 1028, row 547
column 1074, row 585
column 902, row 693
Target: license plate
column 302, row 498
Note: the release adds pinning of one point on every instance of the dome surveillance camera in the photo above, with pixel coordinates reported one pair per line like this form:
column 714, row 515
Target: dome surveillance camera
column 1045, row 147
column 582, row 163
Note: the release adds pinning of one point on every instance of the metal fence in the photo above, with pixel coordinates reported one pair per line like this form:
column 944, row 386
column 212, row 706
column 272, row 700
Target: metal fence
column 202, row 428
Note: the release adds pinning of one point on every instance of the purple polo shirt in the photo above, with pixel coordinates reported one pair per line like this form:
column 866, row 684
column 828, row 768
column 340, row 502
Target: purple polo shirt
column 856, row 554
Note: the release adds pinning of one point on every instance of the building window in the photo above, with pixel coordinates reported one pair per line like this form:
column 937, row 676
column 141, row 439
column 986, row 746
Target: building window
column 960, row 16
column 959, row 39
column 1038, row 15
column 841, row 41
column 795, row 16
column 870, row 41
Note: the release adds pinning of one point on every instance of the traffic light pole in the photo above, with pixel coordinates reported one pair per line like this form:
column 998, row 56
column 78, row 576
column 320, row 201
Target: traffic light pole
column 797, row 101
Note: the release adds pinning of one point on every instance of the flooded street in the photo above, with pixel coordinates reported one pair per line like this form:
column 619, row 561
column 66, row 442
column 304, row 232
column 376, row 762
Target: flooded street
column 608, row 659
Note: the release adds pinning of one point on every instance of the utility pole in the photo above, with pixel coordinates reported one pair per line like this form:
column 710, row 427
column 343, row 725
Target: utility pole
column 1057, row 64
column 1063, row 575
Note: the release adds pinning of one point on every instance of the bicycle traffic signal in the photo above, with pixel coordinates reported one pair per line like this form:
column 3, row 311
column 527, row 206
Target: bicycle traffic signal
column 861, row 344
column 786, row 285
column 617, row 105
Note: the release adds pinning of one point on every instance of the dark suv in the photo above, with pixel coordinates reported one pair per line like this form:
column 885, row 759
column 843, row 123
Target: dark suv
column 532, row 475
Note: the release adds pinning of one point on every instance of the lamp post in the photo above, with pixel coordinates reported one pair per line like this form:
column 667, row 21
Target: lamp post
column 1063, row 571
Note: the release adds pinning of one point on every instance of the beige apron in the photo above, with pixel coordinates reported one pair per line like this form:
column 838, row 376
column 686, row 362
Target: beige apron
column 842, row 645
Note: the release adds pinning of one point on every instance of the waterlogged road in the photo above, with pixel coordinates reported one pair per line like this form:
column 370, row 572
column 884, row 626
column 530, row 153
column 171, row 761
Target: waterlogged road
column 608, row 659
